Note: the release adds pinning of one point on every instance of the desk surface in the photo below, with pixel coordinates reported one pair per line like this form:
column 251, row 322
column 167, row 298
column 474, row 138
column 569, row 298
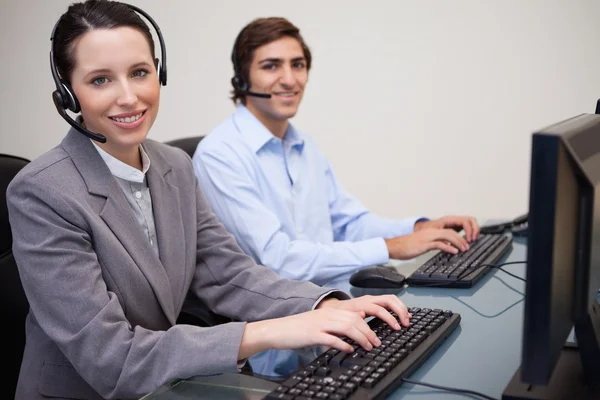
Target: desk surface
column 482, row 354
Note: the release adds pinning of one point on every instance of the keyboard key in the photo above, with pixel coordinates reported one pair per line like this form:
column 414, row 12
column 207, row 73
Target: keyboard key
column 309, row 381
column 369, row 383
column 377, row 376
column 293, row 381
column 338, row 358
column 329, row 389
column 355, row 359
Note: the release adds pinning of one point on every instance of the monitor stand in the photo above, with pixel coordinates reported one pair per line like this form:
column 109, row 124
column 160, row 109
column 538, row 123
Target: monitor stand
column 577, row 372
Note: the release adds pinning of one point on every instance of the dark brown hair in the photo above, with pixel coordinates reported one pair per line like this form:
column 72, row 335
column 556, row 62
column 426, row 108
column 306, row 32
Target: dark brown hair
column 257, row 33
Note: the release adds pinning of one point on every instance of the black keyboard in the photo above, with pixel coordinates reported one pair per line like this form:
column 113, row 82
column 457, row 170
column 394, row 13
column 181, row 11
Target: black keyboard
column 464, row 269
column 335, row 375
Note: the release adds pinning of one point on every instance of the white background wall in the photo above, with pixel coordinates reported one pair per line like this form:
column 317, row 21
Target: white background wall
column 423, row 107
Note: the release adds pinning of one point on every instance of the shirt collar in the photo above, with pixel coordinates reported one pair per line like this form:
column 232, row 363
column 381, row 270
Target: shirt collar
column 257, row 135
column 121, row 170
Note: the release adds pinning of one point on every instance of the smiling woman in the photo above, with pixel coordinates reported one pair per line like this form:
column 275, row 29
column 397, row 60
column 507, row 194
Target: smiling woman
column 116, row 83
column 113, row 237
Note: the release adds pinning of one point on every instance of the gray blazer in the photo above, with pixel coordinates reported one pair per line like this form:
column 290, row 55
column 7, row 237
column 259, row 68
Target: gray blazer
column 103, row 305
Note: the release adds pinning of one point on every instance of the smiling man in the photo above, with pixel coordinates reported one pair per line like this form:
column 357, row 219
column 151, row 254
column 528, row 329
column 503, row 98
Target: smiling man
column 276, row 192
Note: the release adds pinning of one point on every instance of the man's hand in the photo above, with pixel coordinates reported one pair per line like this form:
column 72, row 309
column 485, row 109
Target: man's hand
column 456, row 222
column 426, row 239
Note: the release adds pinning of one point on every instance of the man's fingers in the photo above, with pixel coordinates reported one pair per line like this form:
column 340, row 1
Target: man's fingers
column 454, row 238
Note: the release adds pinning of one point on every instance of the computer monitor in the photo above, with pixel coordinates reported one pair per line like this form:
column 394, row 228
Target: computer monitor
column 563, row 265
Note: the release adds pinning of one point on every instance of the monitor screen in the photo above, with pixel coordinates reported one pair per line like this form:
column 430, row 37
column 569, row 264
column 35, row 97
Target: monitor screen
column 563, row 259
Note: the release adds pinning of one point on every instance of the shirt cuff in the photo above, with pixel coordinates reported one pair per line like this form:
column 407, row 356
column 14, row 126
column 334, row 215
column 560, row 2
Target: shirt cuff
column 334, row 293
column 372, row 251
column 422, row 219
column 414, row 220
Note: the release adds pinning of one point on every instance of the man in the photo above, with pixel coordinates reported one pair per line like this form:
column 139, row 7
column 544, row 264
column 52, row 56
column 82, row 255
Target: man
column 276, row 192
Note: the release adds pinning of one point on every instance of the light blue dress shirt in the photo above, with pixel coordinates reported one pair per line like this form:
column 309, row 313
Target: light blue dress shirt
column 283, row 203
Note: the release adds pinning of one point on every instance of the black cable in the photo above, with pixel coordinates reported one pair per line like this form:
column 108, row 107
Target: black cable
column 510, row 273
column 449, row 389
column 470, row 271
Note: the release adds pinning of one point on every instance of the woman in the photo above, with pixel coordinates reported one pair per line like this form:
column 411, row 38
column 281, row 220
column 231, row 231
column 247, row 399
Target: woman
column 111, row 236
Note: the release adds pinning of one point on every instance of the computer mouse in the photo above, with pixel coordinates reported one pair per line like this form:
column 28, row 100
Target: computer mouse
column 377, row 276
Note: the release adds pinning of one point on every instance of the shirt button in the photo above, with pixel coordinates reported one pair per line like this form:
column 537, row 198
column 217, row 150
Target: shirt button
column 138, row 195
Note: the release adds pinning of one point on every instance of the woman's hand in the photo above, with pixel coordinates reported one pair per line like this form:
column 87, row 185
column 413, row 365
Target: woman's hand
column 324, row 326
column 377, row 306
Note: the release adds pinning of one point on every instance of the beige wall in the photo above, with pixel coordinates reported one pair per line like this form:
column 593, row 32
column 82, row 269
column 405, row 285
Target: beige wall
column 423, row 107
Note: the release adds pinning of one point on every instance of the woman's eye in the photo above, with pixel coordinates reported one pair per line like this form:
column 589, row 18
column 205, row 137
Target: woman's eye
column 270, row 66
column 140, row 73
column 101, row 80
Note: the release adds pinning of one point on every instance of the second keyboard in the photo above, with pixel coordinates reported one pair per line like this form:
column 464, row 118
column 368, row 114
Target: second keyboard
column 464, row 269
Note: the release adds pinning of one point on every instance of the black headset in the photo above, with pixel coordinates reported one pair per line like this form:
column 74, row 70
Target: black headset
column 64, row 98
column 238, row 81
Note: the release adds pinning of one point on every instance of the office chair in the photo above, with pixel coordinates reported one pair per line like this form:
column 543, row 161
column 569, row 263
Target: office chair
column 187, row 144
column 13, row 303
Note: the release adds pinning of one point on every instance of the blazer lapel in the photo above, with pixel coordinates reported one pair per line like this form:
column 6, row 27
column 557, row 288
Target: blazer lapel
column 167, row 220
column 119, row 217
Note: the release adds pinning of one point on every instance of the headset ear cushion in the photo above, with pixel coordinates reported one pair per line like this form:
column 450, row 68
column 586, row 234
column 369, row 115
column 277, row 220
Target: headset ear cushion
column 71, row 101
column 162, row 73
column 158, row 71
column 59, row 100
column 239, row 84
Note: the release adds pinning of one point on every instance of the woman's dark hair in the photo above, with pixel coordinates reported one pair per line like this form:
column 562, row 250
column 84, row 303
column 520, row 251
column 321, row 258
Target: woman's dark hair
column 257, row 33
column 86, row 16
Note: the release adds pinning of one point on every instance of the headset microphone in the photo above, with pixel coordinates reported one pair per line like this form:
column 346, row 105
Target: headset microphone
column 261, row 95
column 242, row 86
column 255, row 94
